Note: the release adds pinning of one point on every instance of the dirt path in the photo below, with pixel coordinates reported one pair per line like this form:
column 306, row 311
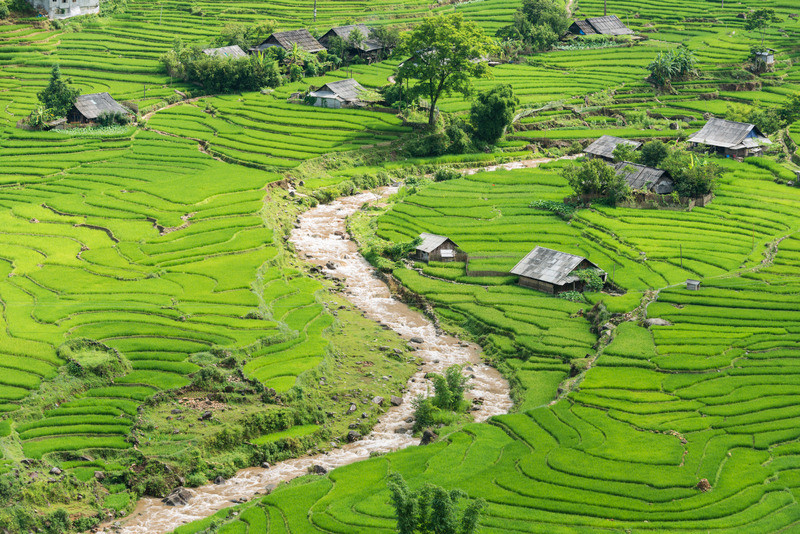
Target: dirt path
column 321, row 239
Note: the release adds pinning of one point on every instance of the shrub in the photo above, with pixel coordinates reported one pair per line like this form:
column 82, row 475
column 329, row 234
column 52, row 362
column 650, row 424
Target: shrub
column 653, row 153
column 539, row 24
column 693, row 175
column 595, row 177
column 58, row 96
column 492, row 112
column 591, row 279
column 443, row 174
column 4, row 11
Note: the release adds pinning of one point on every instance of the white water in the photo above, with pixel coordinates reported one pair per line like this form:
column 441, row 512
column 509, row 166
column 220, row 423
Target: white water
column 320, row 239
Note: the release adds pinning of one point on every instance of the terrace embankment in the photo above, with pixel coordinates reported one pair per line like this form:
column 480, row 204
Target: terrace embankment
column 321, row 239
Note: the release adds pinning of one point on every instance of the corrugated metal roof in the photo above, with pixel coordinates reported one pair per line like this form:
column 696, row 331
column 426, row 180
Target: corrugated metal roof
column 431, row 242
column 729, row 134
column 346, row 90
column 548, row 265
column 225, row 51
column 641, row 177
column 93, row 105
column 609, row 25
column 604, row 147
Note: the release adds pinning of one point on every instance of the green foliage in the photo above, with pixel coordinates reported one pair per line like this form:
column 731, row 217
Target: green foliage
column 492, row 112
column 693, row 175
column 4, row 11
column 538, row 24
column 565, row 211
column 653, row 153
column 244, row 35
column 594, row 177
column 441, row 53
column 625, row 152
column 760, row 20
column 672, row 65
column 790, row 111
column 449, row 389
column 432, row 509
column 443, row 174
column 591, row 278
column 58, row 96
column 58, row 522
column 222, row 74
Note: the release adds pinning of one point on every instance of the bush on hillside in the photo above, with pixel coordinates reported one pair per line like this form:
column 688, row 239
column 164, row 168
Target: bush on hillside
column 58, row 96
column 595, row 177
column 492, row 112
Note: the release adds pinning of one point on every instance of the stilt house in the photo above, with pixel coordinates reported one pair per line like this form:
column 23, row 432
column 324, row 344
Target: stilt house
column 438, row 248
column 730, row 139
column 553, row 271
column 286, row 40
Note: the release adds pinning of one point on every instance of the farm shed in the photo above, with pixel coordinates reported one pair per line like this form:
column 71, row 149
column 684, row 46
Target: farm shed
column 89, row 108
column 285, row 40
column 226, row 51
column 344, row 93
column 731, row 139
column 641, row 178
column 553, row 271
column 368, row 49
column 608, row 25
column 604, row 147
column 438, row 248
column 64, row 9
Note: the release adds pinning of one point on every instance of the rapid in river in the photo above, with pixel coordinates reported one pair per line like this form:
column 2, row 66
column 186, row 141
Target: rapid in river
column 321, row 239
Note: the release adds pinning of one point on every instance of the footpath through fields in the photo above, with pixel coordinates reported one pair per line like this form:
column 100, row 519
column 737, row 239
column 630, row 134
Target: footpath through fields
column 321, row 239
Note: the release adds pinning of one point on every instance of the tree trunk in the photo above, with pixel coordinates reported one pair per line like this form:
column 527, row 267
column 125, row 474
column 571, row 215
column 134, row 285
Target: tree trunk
column 432, row 115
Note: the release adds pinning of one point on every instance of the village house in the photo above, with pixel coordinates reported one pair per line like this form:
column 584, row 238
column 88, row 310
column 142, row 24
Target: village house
column 303, row 39
column 642, row 178
column 344, row 93
column 607, row 25
column 553, row 271
column 64, row 9
column 226, row 51
column 438, row 248
column 605, row 146
column 89, row 108
column 368, row 49
column 731, row 139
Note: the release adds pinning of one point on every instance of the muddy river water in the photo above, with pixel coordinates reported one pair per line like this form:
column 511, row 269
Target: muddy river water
column 321, row 239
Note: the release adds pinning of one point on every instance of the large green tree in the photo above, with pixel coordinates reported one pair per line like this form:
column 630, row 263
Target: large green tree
column 596, row 177
column 492, row 112
column 444, row 53
column 761, row 19
column 58, row 96
column 539, row 24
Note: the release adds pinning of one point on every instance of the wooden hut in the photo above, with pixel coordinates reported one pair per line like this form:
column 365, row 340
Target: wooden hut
column 731, row 139
column 604, row 147
column 553, row 271
column 438, row 248
column 344, row 93
column 368, row 49
column 89, row 108
column 226, row 51
column 286, row 40
column 642, row 178
column 607, row 25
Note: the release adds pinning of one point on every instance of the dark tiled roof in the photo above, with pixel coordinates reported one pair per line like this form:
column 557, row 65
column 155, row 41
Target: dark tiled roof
column 343, row 32
column 302, row 37
column 431, row 242
column 640, row 177
column 548, row 265
column 225, row 51
column 582, row 27
column 346, row 90
column 96, row 104
column 609, row 25
column 729, row 134
column 604, row 147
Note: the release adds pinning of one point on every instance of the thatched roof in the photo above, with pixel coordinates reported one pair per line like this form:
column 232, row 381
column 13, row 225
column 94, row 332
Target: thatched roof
column 431, row 242
column 548, row 265
column 96, row 104
column 302, row 37
column 608, row 25
column 225, row 51
column 729, row 134
column 640, row 177
column 345, row 90
column 604, row 147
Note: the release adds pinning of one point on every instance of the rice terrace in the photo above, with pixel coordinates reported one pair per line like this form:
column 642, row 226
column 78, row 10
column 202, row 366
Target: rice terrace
column 453, row 267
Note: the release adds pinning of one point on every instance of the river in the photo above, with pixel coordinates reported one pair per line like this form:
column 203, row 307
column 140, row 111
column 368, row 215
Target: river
column 321, row 239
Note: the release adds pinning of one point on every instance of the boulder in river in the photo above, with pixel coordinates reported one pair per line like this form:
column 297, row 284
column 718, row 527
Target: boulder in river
column 417, row 340
column 219, row 480
column 396, row 401
column 178, row 497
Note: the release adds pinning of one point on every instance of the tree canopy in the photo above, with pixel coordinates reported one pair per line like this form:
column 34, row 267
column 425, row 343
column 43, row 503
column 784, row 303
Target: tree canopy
column 539, row 24
column 444, row 53
column 596, row 177
column 492, row 112
column 58, row 96
column 761, row 19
